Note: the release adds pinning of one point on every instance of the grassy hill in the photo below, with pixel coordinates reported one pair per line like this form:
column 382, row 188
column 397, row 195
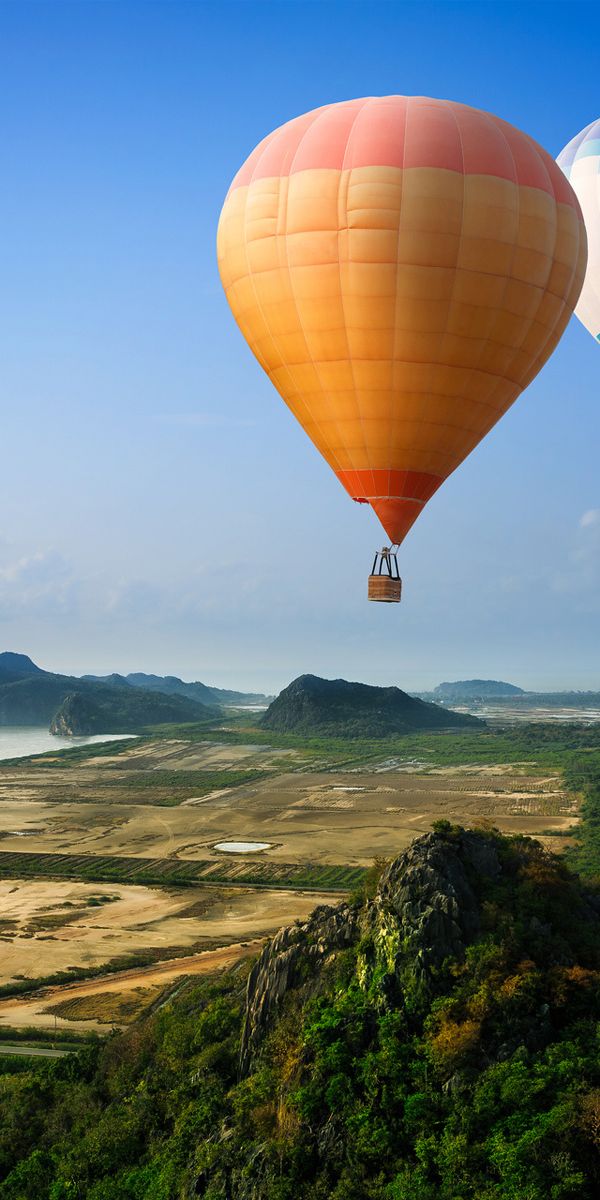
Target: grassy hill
column 312, row 705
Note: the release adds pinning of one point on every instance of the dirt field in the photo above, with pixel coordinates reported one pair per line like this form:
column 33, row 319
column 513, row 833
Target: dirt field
column 109, row 777
column 48, row 926
column 38, row 1011
column 319, row 817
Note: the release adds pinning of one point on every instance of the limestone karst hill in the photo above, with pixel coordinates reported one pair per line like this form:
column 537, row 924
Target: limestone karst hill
column 399, row 1042
column 336, row 707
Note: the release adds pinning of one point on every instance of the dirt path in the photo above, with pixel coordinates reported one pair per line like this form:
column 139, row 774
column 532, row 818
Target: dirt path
column 28, row 1011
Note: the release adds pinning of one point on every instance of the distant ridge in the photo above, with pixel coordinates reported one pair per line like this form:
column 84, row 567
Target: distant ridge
column 31, row 696
column 171, row 685
column 334, row 706
column 476, row 689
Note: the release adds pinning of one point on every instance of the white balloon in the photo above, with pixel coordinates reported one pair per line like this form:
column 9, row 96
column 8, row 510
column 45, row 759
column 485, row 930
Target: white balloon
column 580, row 162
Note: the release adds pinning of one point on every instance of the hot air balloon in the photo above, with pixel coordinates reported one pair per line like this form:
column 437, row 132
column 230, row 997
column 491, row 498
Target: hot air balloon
column 401, row 268
column 580, row 161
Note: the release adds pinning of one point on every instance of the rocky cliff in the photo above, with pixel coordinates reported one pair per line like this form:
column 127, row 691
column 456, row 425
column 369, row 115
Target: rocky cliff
column 425, row 911
column 468, row 982
column 294, row 959
column 72, row 718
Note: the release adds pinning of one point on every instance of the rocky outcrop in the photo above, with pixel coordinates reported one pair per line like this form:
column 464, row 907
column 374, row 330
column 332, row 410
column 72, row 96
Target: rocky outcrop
column 331, row 1072
column 425, row 911
column 426, row 896
column 294, row 958
column 72, row 719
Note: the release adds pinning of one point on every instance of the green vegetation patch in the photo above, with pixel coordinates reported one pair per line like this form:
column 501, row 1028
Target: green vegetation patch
column 545, row 745
column 172, row 787
column 584, row 856
column 181, row 872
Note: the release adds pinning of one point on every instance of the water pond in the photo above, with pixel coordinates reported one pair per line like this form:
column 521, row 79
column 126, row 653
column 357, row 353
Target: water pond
column 241, row 847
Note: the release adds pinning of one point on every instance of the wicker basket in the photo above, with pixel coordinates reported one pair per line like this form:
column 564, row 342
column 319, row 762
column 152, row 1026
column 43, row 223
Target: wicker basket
column 384, row 588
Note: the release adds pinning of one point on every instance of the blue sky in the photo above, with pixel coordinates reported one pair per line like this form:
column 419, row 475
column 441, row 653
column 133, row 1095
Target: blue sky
column 161, row 510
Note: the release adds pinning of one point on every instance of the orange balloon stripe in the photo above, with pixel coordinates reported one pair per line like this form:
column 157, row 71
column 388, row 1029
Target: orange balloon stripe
column 397, row 516
column 396, row 496
column 400, row 310
column 407, row 485
column 405, row 131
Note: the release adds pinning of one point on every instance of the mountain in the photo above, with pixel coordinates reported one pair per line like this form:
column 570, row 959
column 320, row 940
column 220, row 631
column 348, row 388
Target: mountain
column 105, row 709
column 334, row 706
column 17, row 666
column 434, row 1038
column 31, row 696
column 475, row 689
column 115, row 679
column 171, row 685
column 33, row 700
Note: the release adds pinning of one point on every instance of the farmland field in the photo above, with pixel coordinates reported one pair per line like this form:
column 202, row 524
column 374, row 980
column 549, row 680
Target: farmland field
column 110, row 859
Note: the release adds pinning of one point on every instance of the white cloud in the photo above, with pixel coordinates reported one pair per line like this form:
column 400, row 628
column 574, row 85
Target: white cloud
column 42, row 582
column 579, row 577
column 33, row 569
column 590, row 518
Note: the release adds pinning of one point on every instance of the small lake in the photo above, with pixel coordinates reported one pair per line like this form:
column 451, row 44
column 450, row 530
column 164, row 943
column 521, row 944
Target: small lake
column 241, row 847
column 18, row 741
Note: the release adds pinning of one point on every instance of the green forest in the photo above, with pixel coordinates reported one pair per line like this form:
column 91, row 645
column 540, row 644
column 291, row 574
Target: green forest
column 481, row 1082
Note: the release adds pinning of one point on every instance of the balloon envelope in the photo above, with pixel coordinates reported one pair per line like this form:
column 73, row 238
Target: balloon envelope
column 401, row 267
column 580, row 161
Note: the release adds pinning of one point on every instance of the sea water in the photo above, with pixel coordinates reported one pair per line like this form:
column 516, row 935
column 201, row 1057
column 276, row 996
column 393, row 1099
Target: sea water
column 17, row 741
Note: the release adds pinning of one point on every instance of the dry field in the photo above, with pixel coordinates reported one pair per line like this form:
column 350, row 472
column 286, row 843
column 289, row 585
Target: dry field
column 48, row 926
column 114, row 999
column 172, row 800
column 306, row 816
column 108, row 778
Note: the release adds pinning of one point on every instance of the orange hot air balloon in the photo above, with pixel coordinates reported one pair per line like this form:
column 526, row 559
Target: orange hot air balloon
column 402, row 268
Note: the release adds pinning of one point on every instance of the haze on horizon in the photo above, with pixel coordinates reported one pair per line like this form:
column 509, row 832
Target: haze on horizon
column 162, row 511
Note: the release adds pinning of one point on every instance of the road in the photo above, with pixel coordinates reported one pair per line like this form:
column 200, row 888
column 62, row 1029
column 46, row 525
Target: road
column 33, row 1051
